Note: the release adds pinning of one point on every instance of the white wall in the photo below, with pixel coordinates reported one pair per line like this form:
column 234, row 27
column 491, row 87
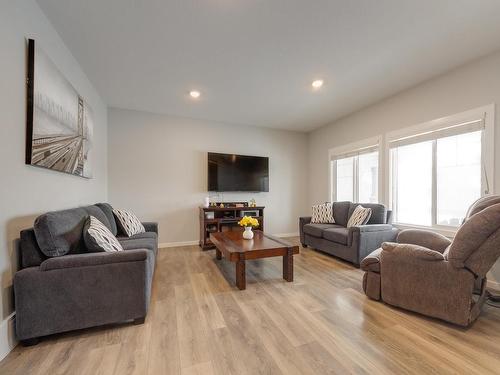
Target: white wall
column 27, row 191
column 470, row 86
column 157, row 168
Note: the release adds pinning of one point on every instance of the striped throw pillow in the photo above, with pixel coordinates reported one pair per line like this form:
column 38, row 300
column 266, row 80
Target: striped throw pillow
column 360, row 216
column 98, row 237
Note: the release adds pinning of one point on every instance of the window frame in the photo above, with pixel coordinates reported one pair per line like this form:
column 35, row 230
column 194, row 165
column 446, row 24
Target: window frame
column 487, row 159
column 353, row 148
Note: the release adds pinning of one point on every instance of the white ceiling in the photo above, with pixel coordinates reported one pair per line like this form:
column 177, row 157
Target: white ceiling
column 254, row 60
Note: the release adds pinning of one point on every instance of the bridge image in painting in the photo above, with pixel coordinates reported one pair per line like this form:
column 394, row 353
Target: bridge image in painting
column 62, row 121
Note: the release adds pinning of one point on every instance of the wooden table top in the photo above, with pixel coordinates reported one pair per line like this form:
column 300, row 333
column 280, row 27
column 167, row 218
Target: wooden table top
column 262, row 245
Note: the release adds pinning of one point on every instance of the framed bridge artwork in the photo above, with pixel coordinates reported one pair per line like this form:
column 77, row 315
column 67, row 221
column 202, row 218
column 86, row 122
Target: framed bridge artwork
column 59, row 121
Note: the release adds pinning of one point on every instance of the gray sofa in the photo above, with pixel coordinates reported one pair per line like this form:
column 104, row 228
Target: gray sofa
column 80, row 289
column 351, row 244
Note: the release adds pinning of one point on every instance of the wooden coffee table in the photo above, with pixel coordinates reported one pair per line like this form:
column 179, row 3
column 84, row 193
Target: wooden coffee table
column 238, row 250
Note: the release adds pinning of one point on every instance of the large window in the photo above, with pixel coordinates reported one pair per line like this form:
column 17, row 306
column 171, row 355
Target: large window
column 355, row 175
column 437, row 175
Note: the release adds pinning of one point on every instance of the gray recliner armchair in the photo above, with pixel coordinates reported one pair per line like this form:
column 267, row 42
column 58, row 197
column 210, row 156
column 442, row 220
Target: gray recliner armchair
column 427, row 273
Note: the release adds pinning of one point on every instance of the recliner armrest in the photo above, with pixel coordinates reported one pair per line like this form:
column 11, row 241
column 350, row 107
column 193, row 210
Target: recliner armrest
column 150, row 226
column 93, row 259
column 424, row 238
column 412, row 251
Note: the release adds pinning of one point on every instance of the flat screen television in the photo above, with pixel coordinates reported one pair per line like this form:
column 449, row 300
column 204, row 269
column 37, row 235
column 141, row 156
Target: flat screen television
column 229, row 172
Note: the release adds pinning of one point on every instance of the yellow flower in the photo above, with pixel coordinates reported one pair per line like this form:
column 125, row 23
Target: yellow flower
column 248, row 221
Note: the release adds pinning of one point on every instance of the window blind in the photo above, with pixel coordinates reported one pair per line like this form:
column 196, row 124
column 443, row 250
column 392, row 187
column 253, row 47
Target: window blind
column 462, row 128
column 359, row 151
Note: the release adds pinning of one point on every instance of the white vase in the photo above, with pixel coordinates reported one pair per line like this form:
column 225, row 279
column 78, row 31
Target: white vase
column 248, row 234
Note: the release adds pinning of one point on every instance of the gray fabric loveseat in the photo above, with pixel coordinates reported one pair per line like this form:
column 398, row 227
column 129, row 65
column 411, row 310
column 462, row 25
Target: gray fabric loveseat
column 351, row 244
column 80, row 289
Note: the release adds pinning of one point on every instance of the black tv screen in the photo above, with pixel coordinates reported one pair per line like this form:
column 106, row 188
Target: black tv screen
column 229, row 172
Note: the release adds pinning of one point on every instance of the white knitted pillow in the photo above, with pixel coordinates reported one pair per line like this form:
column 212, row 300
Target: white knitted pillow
column 360, row 216
column 322, row 214
column 129, row 223
column 98, row 237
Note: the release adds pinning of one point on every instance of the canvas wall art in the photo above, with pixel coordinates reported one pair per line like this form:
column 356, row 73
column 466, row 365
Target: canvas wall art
column 59, row 120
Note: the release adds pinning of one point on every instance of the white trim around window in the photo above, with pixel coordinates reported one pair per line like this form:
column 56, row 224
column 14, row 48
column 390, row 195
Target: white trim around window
column 482, row 118
column 448, row 125
column 354, row 149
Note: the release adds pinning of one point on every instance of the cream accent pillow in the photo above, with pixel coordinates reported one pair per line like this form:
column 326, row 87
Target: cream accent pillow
column 98, row 237
column 360, row 216
column 129, row 223
column 322, row 214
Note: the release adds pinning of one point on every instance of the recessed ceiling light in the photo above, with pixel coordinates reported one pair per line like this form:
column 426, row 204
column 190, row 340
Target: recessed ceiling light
column 317, row 83
column 194, row 94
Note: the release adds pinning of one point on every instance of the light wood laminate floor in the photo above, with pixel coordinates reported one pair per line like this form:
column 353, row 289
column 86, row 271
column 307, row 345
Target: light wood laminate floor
column 200, row 323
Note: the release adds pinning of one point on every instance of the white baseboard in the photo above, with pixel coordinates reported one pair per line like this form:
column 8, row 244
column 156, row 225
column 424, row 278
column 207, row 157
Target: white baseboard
column 287, row 234
column 175, row 244
column 191, row 243
column 7, row 337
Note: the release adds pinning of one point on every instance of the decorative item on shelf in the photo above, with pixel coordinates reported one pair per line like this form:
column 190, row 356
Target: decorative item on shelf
column 209, row 215
column 252, row 203
column 221, row 205
column 248, row 222
column 206, row 202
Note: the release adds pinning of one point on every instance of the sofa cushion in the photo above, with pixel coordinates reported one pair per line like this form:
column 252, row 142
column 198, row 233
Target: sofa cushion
column 339, row 235
column 31, row 255
column 316, row 230
column 141, row 235
column 98, row 237
column 108, row 211
column 61, row 232
column 99, row 214
column 341, row 212
column 379, row 212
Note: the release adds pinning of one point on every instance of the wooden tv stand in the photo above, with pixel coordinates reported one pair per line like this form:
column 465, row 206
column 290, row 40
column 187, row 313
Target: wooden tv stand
column 225, row 219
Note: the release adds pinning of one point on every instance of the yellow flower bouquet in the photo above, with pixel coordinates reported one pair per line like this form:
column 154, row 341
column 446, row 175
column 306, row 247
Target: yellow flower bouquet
column 248, row 221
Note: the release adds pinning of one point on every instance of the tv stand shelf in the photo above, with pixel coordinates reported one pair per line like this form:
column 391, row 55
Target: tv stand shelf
column 225, row 219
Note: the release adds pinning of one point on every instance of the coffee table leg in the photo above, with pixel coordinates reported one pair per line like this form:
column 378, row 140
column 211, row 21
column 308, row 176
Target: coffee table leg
column 218, row 254
column 240, row 275
column 288, row 266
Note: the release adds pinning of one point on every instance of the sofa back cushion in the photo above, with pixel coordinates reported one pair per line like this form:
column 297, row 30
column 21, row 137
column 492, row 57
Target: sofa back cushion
column 61, row 232
column 108, row 211
column 341, row 212
column 30, row 253
column 379, row 212
column 99, row 214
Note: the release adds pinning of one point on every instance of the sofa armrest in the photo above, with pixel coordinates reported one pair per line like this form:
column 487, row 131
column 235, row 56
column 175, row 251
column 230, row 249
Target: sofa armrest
column 150, row 226
column 367, row 238
column 303, row 221
column 424, row 238
column 80, row 291
column 93, row 259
